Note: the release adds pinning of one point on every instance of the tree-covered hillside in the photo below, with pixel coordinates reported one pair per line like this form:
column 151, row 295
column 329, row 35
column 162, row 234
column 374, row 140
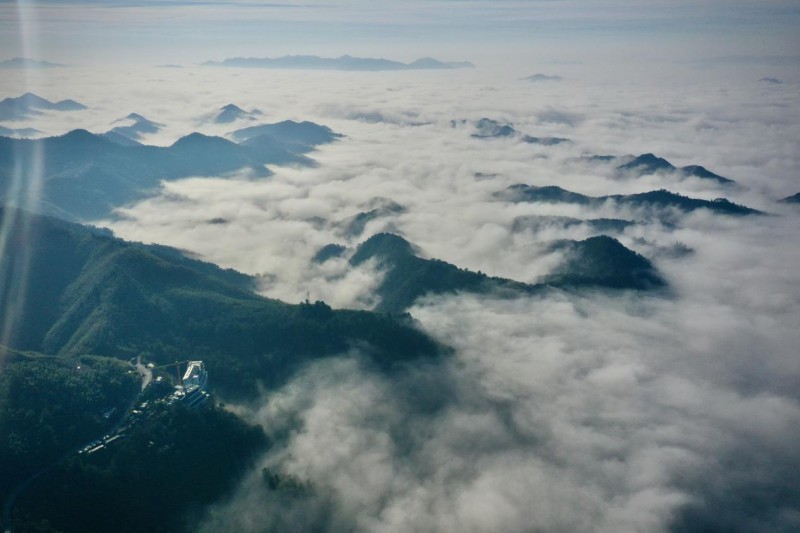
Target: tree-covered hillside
column 49, row 405
column 75, row 291
column 660, row 199
column 595, row 262
column 159, row 477
column 83, row 176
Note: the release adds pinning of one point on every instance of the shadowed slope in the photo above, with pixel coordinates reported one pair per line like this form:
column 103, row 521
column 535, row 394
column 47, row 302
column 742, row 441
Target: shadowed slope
column 90, row 293
column 653, row 199
column 597, row 262
column 85, row 176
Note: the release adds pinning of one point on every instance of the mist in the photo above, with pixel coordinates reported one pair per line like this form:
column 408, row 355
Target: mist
column 569, row 411
column 562, row 413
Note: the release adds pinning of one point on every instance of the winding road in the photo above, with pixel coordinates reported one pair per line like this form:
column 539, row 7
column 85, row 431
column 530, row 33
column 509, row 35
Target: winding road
column 146, row 373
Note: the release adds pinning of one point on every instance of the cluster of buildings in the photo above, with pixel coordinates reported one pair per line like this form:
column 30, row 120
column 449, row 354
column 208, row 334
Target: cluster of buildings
column 190, row 391
column 192, row 387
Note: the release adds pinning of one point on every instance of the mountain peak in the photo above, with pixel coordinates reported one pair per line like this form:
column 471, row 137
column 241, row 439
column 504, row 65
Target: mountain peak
column 427, row 62
column 137, row 117
column 30, row 104
column 81, row 135
column 232, row 112
column 34, row 100
column 198, row 139
column 307, row 133
column 648, row 162
column 386, row 246
column 703, row 173
column 793, row 199
column 604, row 261
column 140, row 126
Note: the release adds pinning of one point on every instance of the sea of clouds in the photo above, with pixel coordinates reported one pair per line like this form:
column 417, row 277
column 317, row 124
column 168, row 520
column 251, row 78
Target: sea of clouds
column 592, row 412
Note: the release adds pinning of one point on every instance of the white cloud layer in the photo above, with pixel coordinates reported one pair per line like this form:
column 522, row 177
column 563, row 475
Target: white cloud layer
column 560, row 413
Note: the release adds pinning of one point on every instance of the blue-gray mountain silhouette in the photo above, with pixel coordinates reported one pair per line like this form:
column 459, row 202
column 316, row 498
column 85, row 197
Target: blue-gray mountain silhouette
column 329, row 251
column 429, row 63
column 354, row 226
column 487, row 128
column 29, row 104
column 542, row 77
column 137, row 127
column 86, row 175
column 285, row 142
column 546, row 194
column 656, row 199
column 345, row 62
column 599, row 262
column 24, row 62
column 793, row 199
column 301, row 133
column 650, row 163
column 231, row 113
column 118, row 138
column 18, row 132
column 602, row 261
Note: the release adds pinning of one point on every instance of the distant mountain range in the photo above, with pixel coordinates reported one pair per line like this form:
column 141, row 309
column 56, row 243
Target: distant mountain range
column 18, row 132
column 23, row 62
column 600, row 262
column 654, row 199
column 487, row 128
column 345, row 62
column 650, row 164
column 29, row 104
column 86, row 175
column 542, row 77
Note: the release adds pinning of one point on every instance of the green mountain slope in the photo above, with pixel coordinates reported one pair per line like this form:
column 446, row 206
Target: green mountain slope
column 166, row 469
column 660, row 199
column 83, row 176
column 602, row 262
column 90, row 293
column 50, row 405
column 595, row 262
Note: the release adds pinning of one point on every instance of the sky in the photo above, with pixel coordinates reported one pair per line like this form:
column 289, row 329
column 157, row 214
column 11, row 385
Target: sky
column 590, row 412
column 148, row 32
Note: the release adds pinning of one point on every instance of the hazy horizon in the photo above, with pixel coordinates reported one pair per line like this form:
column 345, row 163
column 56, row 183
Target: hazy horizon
column 510, row 32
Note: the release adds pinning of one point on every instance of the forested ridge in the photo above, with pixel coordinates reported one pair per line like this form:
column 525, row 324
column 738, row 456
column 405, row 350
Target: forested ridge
column 87, row 292
column 82, row 304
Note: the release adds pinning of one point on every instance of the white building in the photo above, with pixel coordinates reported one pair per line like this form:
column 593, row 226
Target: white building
column 195, row 375
column 192, row 390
